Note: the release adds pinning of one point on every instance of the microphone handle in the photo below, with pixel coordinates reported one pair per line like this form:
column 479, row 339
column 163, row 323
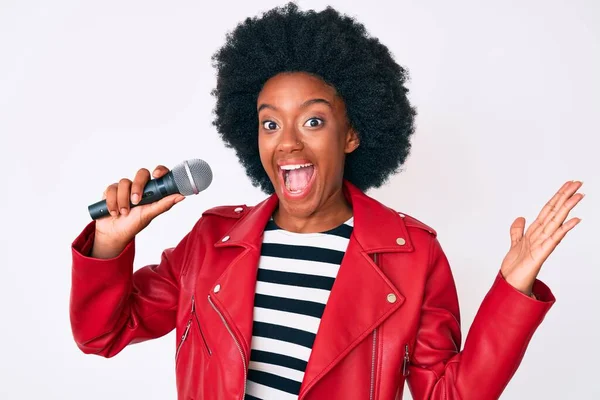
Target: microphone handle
column 154, row 190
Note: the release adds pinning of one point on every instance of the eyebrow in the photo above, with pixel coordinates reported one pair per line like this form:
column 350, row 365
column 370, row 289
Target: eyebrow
column 303, row 105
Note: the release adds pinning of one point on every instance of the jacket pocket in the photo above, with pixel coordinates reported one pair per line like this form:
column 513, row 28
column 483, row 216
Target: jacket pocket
column 206, row 347
column 406, row 361
column 186, row 332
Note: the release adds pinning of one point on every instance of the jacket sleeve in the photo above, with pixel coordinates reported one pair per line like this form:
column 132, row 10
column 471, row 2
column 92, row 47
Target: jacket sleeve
column 111, row 306
column 495, row 344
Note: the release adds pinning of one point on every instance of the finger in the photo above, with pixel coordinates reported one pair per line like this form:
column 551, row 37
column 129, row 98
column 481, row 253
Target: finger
column 547, row 209
column 139, row 182
column 516, row 230
column 568, row 194
column 552, row 241
column 123, row 195
column 159, row 171
column 566, row 190
column 164, row 204
column 111, row 199
column 556, row 220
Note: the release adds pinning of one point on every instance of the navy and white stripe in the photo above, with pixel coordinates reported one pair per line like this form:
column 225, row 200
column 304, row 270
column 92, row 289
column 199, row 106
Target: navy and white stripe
column 296, row 272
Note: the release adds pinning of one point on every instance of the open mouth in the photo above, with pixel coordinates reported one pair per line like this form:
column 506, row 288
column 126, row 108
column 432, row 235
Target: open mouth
column 297, row 177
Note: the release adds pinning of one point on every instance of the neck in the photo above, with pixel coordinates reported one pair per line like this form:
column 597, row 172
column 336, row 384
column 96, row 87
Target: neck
column 335, row 211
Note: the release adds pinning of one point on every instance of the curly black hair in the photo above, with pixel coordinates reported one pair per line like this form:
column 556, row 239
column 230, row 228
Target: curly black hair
column 337, row 49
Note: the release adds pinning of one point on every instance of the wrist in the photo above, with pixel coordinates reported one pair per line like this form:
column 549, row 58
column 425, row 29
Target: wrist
column 105, row 248
column 526, row 289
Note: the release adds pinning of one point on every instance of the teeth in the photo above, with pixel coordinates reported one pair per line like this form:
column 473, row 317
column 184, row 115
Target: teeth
column 294, row 166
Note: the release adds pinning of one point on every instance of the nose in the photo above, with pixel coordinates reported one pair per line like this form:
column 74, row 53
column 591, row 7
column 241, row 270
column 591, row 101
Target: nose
column 289, row 140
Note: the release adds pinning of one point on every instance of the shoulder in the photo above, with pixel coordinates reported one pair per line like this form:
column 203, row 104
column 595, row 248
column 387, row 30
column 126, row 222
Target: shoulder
column 227, row 211
column 412, row 222
column 215, row 221
column 385, row 215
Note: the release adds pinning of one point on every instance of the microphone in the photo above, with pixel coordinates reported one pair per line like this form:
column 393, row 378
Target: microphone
column 189, row 177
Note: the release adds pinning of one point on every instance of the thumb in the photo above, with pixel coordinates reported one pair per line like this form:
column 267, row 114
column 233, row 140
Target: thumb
column 163, row 205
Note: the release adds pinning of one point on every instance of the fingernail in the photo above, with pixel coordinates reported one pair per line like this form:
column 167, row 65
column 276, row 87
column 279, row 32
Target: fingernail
column 113, row 213
column 124, row 211
column 135, row 198
column 179, row 199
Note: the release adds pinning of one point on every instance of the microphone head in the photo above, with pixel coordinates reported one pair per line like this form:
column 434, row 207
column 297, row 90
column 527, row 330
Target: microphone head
column 192, row 176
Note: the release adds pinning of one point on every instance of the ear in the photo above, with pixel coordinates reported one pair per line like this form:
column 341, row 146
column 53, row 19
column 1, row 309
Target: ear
column 352, row 141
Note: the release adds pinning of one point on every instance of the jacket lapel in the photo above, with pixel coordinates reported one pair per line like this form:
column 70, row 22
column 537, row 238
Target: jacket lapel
column 237, row 283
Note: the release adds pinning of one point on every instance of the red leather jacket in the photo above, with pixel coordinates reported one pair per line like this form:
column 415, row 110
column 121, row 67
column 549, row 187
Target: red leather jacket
column 392, row 314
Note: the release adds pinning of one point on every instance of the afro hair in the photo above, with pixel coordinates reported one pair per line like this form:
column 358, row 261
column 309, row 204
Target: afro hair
column 337, row 49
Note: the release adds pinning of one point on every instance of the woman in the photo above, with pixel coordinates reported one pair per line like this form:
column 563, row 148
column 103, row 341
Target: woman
column 318, row 292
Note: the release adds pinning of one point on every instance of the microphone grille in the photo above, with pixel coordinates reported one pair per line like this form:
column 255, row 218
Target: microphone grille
column 192, row 176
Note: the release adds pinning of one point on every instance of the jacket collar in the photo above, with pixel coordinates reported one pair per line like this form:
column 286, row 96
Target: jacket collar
column 369, row 216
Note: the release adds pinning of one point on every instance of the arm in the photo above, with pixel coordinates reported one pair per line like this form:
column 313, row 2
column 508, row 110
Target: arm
column 110, row 306
column 495, row 344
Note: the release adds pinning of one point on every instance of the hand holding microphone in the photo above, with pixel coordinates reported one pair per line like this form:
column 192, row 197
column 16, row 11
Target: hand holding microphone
column 129, row 207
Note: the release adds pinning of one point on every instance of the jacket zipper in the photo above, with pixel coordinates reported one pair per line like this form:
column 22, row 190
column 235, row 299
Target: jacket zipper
column 406, row 361
column 199, row 327
column 373, row 365
column 183, row 337
column 234, row 339
column 373, row 355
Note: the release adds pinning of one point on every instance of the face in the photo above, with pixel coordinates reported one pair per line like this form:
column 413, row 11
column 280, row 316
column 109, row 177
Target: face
column 303, row 139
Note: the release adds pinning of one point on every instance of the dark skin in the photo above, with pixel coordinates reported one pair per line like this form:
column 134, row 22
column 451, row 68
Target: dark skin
column 301, row 119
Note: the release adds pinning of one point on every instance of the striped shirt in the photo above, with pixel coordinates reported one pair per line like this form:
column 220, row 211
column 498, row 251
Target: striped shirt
column 296, row 272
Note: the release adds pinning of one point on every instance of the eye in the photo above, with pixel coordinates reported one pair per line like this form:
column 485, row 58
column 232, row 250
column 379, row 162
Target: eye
column 269, row 125
column 314, row 122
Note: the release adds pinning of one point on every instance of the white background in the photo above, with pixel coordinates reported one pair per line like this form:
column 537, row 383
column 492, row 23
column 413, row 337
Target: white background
column 508, row 100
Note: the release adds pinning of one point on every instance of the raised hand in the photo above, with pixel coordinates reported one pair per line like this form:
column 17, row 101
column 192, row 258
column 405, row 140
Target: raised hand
column 530, row 249
column 115, row 231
